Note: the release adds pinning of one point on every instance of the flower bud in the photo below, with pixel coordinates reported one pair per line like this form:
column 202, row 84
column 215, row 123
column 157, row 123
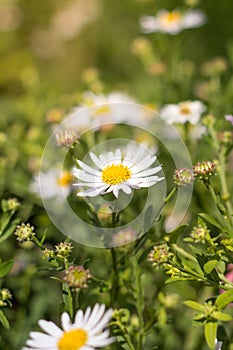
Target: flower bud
column 24, row 232
column 77, row 277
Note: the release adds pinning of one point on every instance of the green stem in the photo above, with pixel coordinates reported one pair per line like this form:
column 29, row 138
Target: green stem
column 170, row 195
column 115, row 280
column 115, row 277
column 225, row 196
column 139, row 301
column 67, row 297
column 125, row 335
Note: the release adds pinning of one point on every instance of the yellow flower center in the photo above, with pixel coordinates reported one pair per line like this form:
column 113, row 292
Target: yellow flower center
column 102, row 110
column 72, row 340
column 184, row 109
column 65, row 179
column 115, row 174
column 171, row 17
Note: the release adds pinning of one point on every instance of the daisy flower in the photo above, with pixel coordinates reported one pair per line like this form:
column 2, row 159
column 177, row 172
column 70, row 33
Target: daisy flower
column 86, row 333
column 172, row 22
column 101, row 108
column 52, row 183
column 188, row 111
column 114, row 171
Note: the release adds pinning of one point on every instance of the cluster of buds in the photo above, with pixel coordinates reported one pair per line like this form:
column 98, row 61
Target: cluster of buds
column 227, row 243
column 123, row 237
column 12, row 204
column 77, row 277
column 159, row 254
column 183, row 177
column 63, row 249
column 48, row 254
column 200, row 234
column 5, row 297
column 204, row 170
column 24, row 232
column 66, row 138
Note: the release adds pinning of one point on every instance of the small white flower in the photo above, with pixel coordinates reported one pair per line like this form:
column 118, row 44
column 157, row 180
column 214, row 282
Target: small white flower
column 172, row 22
column 188, row 111
column 101, row 108
column 52, row 184
column 114, row 172
column 86, row 333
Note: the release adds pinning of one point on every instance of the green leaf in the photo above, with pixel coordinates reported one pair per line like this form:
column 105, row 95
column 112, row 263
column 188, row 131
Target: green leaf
column 9, row 231
column 211, row 220
column 210, row 265
column 4, row 320
column 5, row 267
column 224, row 299
column 194, row 305
column 4, row 221
column 221, row 316
column 210, row 330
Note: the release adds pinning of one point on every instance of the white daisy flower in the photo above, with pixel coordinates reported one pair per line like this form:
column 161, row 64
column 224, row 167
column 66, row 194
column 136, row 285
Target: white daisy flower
column 172, row 22
column 52, row 184
column 100, row 108
column 188, row 111
column 86, row 333
column 114, row 172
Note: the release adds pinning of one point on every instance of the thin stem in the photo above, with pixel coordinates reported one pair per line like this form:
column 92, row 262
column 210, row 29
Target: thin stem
column 115, row 278
column 225, row 196
column 139, row 301
column 68, row 298
column 170, row 195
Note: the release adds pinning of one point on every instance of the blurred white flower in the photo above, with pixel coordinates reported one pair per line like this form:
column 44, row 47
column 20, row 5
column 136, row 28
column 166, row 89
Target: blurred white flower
column 86, row 333
column 100, row 109
column 52, row 184
column 10, row 16
column 114, row 172
column 187, row 111
column 172, row 22
column 69, row 20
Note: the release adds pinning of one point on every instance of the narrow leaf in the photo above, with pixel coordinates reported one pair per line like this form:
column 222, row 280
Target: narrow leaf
column 194, row 305
column 5, row 267
column 4, row 320
column 210, row 265
column 224, row 299
column 210, row 330
column 221, row 316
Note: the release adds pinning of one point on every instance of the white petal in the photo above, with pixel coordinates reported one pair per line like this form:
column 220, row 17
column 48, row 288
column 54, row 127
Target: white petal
column 50, row 328
column 89, row 184
column 148, row 172
column 143, row 164
column 92, row 192
column 126, row 189
column 115, row 191
column 87, row 168
column 65, row 321
column 102, row 323
column 87, row 177
column 79, row 318
column 95, row 160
